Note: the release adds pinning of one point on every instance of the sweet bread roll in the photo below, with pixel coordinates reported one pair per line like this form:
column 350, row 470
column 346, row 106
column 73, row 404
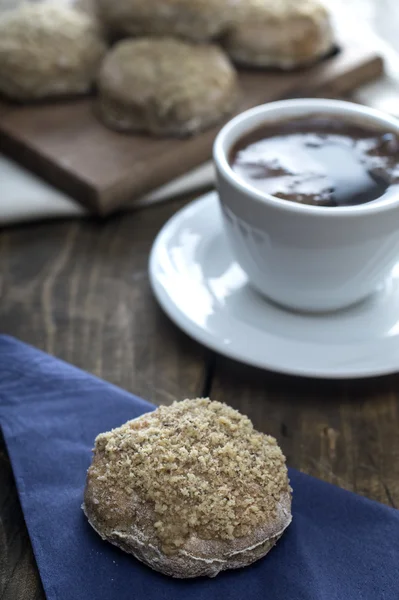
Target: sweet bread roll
column 191, row 489
column 48, row 50
column 198, row 20
column 165, row 86
column 279, row 33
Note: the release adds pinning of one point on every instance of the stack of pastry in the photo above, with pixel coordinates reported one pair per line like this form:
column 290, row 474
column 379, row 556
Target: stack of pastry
column 164, row 67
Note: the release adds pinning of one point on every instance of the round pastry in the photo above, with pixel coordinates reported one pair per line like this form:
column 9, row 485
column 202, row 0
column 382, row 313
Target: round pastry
column 165, row 86
column 87, row 6
column 48, row 50
column 284, row 34
column 198, row 20
column 191, row 489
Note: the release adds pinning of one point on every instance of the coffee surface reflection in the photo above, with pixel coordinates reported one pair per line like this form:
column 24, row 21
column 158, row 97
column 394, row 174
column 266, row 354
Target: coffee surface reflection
column 320, row 160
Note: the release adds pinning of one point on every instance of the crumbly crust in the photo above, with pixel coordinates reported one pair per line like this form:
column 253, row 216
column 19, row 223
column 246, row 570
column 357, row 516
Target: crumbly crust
column 165, row 86
column 190, row 489
column 197, row 20
column 48, row 50
column 279, row 34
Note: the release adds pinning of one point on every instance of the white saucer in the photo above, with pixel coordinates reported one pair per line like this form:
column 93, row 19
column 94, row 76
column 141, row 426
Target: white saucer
column 202, row 289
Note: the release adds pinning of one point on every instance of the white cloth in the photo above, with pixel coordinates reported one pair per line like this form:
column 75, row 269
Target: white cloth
column 25, row 197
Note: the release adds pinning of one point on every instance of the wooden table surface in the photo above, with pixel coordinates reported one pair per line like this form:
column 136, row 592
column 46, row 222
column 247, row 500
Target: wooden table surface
column 80, row 291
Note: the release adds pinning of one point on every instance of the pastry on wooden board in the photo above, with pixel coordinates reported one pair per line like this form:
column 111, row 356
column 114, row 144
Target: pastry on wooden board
column 88, row 6
column 165, row 86
column 48, row 50
column 198, row 20
column 279, row 33
column 190, row 490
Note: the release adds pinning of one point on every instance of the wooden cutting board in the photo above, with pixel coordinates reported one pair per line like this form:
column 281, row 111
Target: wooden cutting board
column 66, row 145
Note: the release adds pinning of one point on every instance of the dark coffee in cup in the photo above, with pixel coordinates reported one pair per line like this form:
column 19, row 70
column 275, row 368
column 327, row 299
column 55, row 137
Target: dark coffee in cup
column 319, row 159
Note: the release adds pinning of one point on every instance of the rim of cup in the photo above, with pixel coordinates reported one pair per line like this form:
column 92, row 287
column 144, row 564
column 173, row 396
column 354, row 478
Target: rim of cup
column 285, row 109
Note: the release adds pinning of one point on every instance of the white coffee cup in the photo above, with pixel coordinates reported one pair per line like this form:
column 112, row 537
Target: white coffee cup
column 308, row 258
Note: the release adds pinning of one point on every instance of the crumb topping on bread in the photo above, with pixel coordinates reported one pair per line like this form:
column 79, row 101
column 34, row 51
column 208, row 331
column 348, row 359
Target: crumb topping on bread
column 32, row 25
column 202, row 464
column 47, row 50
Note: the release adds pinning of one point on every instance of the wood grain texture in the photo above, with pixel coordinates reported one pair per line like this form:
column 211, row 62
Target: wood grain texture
column 345, row 432
column 66, row 144
column 80, row 291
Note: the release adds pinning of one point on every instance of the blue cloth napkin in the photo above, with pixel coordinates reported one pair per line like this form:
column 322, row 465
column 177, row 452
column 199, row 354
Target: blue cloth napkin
column 339, row 546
